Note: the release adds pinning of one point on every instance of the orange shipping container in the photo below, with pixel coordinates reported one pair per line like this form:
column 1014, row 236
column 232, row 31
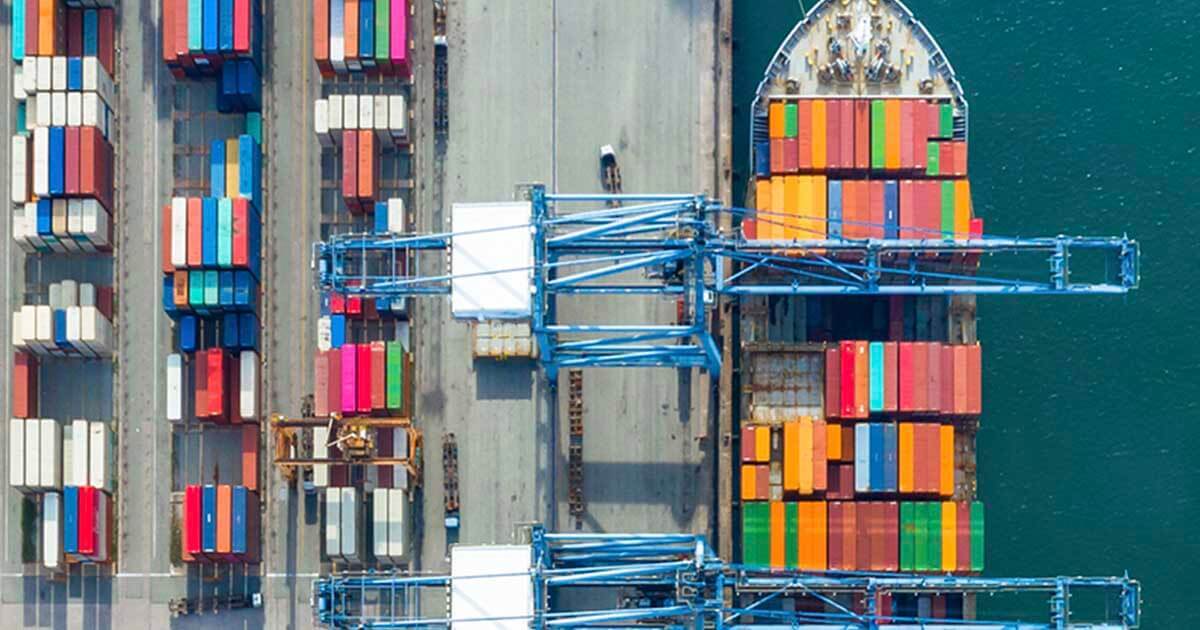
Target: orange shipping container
column 820, row 149
column 791, row 207
column 368, row 170
column 875, row 212
column 791, row 455
column 850, row 214
column 975, row 379
column 892, row 142
column 350, row 15
column 775, row 120
column 962, row 209
column 224, row 518
column 960, row 158
column 862, row 134
column 762, row 443
column 804, row 459
column 776, row 148
column 181, row 288
column 946, row 460
column 805, row 129
column 949, row 536
column 907, row 463
column 819, row 210
column 757, row 227
column 756, row 482
column 833, row 442
column 819, row 460
column 778, row 195
column 250, row 456
column 778, row 533
column 813, row 536
column 960, row 379
column 321, row 37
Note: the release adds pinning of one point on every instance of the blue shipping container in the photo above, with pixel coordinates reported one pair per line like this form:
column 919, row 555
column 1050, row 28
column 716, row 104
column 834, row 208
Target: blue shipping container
column 225, row 26
column 247, row 156
column 216, row 168
column 762, row 159
column 74, row 73
column 210, row 26
column 227, row 97
column 862, row 457
column 229, row 331
column 876, row 457
column 60, row 328
column 245, row 294
column 238, row 525
column 249, row 86
column 208, row 232
column 168, row 297
column 70, row 519
column 381, row 218
column 337, row 330
column 188, row 333
column 891, row 451
column 91, row 33
column 18, row 30
column 58, row 150
column 22, row 128
column 366, row 32
column 248, row 332
column 228, row 288
column 45, row 224
column 891, row 209
column 208, row 506
column 835, row 209
column 225, row 232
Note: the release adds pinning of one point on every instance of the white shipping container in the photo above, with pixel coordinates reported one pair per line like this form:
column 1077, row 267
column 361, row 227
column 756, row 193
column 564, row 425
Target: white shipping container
column 18, row 341
column 54, row 293
column 398, row 525
column 58, row 109
column 33, row 453
column 96, row 331
column 350, row 111
column 351, row 514
column 248, row 373
column 333, row 520
column 80, row 447
column 20, row 233
column 19, row 82
column 396, row 218
column 41, row 161
column 320, row 451
column 324, row 333
column 87, row 294
column 179, row 232
column 399, row 450
column 52, row 530
column 58, row 73
column 398, row 118
column 29, row 326
column 174, row 387
column 20, row 169
column 70, row 293
column 58, row 211
column 366, row 112
column 51, row 456
column 381, row 116
column 379, row 523
column 74, row 109
column 39, row 111
column 96, row 79
column 75, row 219
column 29, row 76
column 95, row 223
column 68, row 455
column 336, row 105
column 45, row 74
column 321, row 122
column 16, row 452
column 337, row 37
column 45, row 326
column 100, row 453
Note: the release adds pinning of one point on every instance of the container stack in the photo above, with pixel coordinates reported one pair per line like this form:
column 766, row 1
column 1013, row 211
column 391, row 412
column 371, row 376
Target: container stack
column 78, row 459
column 214, row 385
column 35, row 453
column 390, row 531
column 76, row 322
column 847, row 168
column 363, row 379
column 341, row 315
column 87, row 526
column 361, row 36
column 390, row 442
column 385, row 115
column 821, row 489
column 221, row 524
column 206, row 38
column 343, row 525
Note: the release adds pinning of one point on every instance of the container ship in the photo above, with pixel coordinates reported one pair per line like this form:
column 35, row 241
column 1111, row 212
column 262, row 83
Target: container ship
column 858, row 415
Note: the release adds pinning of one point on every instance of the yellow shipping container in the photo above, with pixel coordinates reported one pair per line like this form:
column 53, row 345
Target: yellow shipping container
column 946, row 453
column 777, row 205
column 762, row 203
column 819, row 211
column 949, row 536
column 819, row 135
column 793, row 208
column 231, row 168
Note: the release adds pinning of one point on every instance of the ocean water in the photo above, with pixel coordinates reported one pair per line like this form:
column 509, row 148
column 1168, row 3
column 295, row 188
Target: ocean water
column 1085, row 119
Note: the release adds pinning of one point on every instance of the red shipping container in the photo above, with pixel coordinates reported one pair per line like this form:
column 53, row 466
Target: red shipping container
column 191, row 522
column 853, row 538
column 790, row 159
column 25, row 385
column 321, row 383
column 933, row 454
column 819, row 456
column 321, row 37
column 86, row 520
column 368, row 171
column 105, row 40
column 31, row 26
column 339, row 474
column 241, row 232
column 363, row 378
column 200, row 376
column 71, row 162
column 945, row 158
column 875, row 543
column 891, row 375
column 384, row 441
column 834, row 529
column 891, row 533
column 216, row 384
column 929, row 209
column 337, row 303
column 833, row 130
column 168, row 34
column 354, row 305
column 748, row 443
column 804, row 134
column 960, row 380
column 335, row 381
column 833, row 378
column 920, row 135
column 850, row 214
column 777, row 153
column 862, row 134
column 934, row 363
column 907, row 111
column 243, row 26
column 876, row 208
column 920, row 376
column 74, row 32
column 846, row 134
column 181, row 33
column 378, row 375
column 849, row 404
column 867, row 215
column 908, row 219
column 974, row 379
column 250, row 456
column 947, row 379
column 962, row 531
column 195, row 234
column 907, row 380
column 350, row 169
column 841, row 481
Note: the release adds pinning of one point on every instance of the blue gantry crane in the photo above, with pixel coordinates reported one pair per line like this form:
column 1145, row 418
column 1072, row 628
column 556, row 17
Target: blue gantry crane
column 673, row 245
column 578, row 580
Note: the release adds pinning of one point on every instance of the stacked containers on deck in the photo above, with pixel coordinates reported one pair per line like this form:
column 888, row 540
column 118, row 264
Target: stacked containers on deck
column 77, row 322
column 207, row 37
column 80, row 519
column 361, row 36
column 343, row 524
column 386, row 115
column 819, row 491
column 861, row 168
column 390, row 528
column 339, row 312
column 221, row 523
column 363, row 379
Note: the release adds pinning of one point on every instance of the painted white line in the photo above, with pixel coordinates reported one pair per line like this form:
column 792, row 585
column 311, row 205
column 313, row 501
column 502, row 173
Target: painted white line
column 154, row 420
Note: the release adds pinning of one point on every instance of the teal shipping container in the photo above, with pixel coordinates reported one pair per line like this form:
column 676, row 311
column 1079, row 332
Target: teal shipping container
column 876, row 378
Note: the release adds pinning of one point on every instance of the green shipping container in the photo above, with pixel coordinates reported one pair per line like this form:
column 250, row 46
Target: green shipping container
column 254, row 126
column 947, row 121
column 977, row 536
column 878, row 134
column 932, row 157
column 947, row 210
column 920, row 537
column 382, row 32
column 934, row 531
column 395, row 375
column 908, row 537
column 195, row 26
column 791, row 534
column 876, row 379
column 196, row 288
column 212, row 288
column 756, row 533
column 225, row 232
column 791, row 120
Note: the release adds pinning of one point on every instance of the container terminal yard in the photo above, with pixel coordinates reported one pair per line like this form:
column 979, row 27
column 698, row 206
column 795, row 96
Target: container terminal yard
column 296, row 427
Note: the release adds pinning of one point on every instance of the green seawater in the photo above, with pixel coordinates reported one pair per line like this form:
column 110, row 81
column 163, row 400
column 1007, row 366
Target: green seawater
column 1085, row 119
